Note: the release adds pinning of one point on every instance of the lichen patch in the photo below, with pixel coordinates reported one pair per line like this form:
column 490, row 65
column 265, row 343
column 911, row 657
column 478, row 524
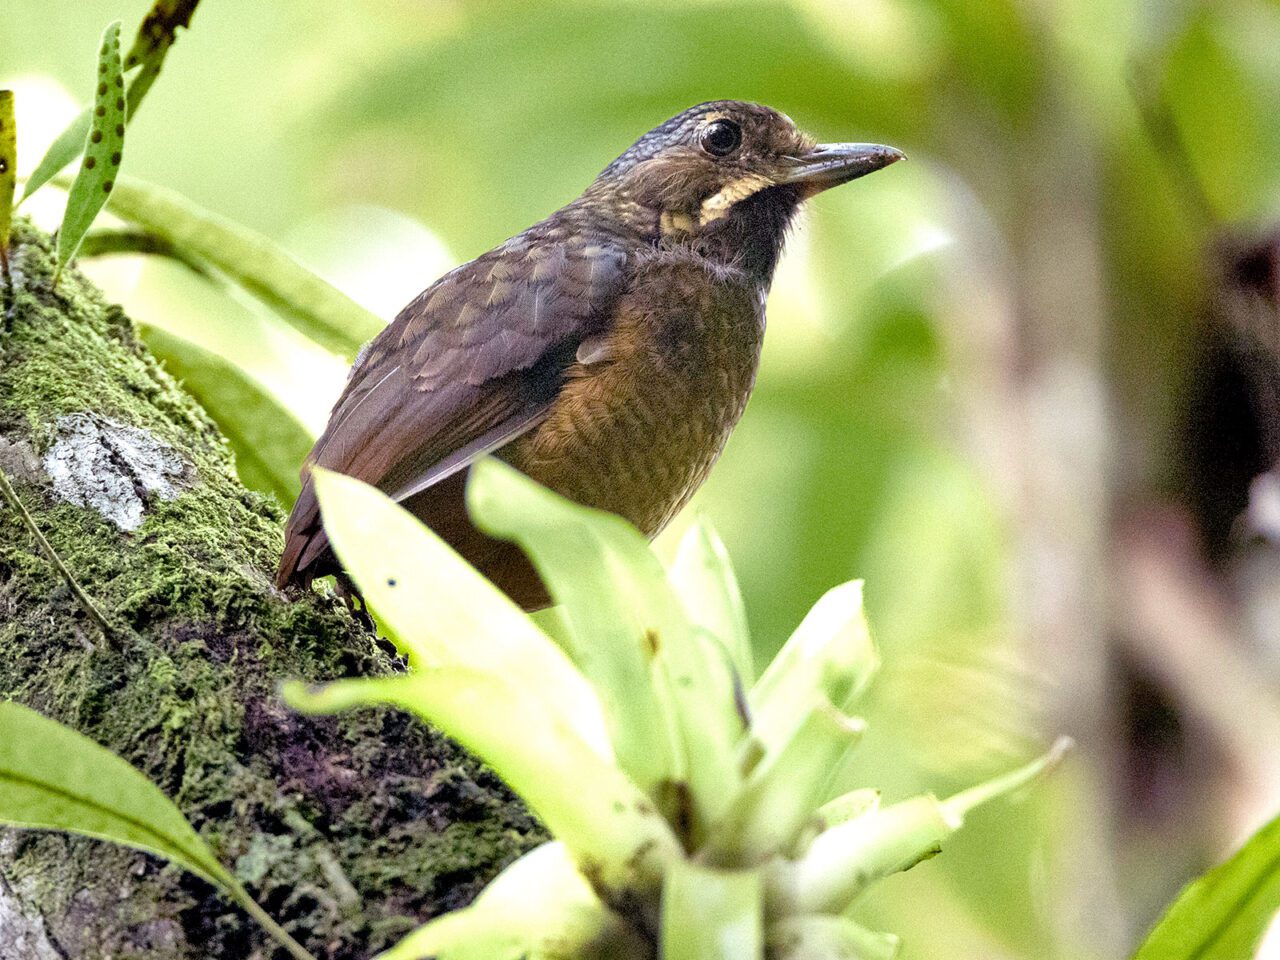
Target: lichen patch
column 115, row 469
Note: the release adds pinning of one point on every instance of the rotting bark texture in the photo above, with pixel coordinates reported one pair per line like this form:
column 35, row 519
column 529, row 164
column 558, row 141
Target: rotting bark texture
column 349, row 830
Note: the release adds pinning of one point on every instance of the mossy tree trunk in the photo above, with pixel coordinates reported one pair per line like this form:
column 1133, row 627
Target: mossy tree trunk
column 350, row 830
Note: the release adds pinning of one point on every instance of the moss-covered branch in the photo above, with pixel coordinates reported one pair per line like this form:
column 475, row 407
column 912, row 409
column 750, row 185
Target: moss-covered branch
column 350, row 830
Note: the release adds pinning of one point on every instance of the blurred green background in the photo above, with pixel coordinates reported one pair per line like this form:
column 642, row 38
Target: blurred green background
column 982, row 372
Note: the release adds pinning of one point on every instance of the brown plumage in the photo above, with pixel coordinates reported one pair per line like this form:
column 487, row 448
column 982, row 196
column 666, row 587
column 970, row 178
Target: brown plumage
column 607, row 351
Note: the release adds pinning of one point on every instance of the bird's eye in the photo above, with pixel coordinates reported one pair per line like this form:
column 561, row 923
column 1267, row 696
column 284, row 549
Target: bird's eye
column 721, row 138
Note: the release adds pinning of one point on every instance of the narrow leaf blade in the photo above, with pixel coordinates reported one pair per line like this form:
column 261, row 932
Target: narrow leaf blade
column 53, row 778
column 315, row 308
column 270, row 445
column 102, row 151
column 68, row 145
column 830, row 654
column 704, row 580
column 1224, row 914
column 8, row 165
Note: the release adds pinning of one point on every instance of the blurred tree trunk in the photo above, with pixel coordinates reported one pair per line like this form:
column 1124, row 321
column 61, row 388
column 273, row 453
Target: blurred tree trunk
column 349, row 830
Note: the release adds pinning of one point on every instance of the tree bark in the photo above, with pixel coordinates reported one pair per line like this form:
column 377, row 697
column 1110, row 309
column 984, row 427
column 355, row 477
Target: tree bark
column 350, row 830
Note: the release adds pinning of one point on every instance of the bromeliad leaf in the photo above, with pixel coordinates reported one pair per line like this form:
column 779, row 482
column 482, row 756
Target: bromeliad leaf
column 440, row 611
column 312, row 306
column 614, row 603
column 668, row 689
column 830, row 654
column 8, row 165
column 613, row 831
column 710, row 914
column 1223, row 915
column 102, row 151
column 269, row 443
column 540, row 906
column 703, row 578
column 821, row 935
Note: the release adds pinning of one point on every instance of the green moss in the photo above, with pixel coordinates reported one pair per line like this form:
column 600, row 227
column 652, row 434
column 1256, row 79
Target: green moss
column 188, row 694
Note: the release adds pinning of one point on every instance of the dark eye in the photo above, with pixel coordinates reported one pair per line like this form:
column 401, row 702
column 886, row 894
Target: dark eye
column 721, row 138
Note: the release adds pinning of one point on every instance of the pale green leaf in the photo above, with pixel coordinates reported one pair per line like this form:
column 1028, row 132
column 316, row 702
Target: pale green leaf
column 615, row 608
column 613, row 831
column 8, row 165
column 269, row 443
column 440, row 611
column 539, row 907
column 712, row 914
column 844, row 860
column 784, row 791
column 704, row 581
column 102, row 151
column 668, row 689
column 824, row 937
column 1223, row 915
column 830, row 654
column 310, row 304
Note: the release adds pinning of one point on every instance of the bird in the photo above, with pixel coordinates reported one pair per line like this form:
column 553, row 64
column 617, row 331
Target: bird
column 607, row 351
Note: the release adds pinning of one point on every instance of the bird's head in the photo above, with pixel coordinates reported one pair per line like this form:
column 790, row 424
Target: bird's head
column 728, row 177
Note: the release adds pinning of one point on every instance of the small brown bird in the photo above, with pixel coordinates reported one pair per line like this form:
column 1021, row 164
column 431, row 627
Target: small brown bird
column 606, row 352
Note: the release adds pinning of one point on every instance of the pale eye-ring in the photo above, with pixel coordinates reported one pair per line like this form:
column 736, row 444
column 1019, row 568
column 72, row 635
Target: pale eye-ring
column 721, row 137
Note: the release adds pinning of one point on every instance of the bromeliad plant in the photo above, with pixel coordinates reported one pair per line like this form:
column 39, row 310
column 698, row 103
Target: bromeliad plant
column 690, row 802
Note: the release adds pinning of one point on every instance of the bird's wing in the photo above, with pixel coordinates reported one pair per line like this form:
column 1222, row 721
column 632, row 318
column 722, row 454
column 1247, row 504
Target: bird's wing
column 469, row 364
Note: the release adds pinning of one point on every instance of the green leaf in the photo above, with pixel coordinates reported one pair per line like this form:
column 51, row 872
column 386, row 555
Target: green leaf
column 704, row 581
column 68, row 145
column 829, row 655
column 668, row 690
column 440, row 611
column 844, row 860
column 540, row 906
column 824, row 937
column 102, row 150
column 615, row 608
column 53, row 778
column 613, row 831
column 1223, row 915
column 711, row 914
column 269, row 443
column 155, row 36
column 311, row 305
column 8, row 165
column 785, row 790
column 158, row 30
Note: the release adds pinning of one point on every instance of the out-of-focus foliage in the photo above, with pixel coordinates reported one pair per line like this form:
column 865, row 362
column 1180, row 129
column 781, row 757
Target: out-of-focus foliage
column 1224, row 914
column 910, row 321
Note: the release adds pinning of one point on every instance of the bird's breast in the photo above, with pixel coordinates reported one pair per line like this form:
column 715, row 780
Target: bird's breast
column 636, row 428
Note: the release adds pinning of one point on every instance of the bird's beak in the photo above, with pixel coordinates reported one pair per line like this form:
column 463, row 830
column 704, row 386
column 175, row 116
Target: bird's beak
column 831, row 164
